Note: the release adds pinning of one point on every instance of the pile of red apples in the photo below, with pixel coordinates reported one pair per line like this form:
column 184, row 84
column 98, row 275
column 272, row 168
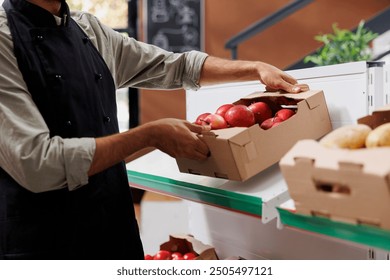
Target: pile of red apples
column 239, row 115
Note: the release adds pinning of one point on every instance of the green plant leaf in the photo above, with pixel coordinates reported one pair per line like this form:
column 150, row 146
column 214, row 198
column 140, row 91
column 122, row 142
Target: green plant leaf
column 343, row 46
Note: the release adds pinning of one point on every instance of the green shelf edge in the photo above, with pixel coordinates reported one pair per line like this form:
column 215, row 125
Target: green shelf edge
column 362, row 234
column 217, row 197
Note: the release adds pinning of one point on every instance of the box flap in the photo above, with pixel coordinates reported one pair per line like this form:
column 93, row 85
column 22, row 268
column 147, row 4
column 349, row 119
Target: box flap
column 312, row 97
column 372, row 161
column 378, row 117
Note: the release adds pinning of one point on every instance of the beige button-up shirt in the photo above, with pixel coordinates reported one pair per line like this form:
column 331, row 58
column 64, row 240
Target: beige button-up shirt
column 41, row 163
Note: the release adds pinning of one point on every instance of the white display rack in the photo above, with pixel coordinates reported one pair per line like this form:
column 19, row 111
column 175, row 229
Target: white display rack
column 352, row 90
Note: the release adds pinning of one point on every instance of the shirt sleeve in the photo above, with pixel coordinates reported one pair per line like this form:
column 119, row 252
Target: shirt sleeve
column 28, row 154
column 137, row 64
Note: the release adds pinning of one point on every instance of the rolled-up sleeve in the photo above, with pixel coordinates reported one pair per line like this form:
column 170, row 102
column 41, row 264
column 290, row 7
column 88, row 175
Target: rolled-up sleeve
column 35, row 160
column 78, row 155
column 31, row 157
column 152, row 67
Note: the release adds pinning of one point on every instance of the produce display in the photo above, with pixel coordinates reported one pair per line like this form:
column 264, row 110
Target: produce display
column 347, row 137
column 241, row 115
column 357, row 136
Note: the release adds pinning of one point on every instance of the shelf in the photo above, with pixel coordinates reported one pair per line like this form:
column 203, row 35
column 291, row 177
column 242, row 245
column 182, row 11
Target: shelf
column 258, row 196
column 213, row 196
column 362, row 234
column 262, row 196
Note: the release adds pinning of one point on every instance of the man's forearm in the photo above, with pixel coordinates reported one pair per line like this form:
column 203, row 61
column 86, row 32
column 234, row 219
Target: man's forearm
column 114, row 148
column 177, row 138
column 217, row 70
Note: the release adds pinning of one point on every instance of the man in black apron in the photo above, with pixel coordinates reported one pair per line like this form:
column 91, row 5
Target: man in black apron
column 74, row 90
column 63, row 72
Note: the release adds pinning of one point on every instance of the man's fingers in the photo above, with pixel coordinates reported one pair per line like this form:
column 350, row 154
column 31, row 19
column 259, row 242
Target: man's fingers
column 200, row 156
column 293, row 88
column 197, row 128
column 202, row 147
column 303, row 87
column 289, row 79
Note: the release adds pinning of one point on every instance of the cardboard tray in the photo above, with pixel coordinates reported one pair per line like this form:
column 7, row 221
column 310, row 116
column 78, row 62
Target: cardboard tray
column 341, row 184
column 239, row 153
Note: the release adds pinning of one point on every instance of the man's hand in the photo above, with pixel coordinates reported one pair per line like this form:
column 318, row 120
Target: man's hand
column 275, row 79
column 179, row 138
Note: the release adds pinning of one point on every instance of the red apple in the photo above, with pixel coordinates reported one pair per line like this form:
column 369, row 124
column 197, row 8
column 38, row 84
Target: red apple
column 271, row 122
column 177, row 256
column 240, row 116
column 261, row 110
column 148, row 257
column 222, row 109
column 162, row 255
column 285, row 113
column 200, row 119
column 189, row 256
column 215, row 121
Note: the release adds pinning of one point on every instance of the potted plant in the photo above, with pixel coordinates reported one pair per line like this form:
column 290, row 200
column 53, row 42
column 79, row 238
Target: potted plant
column 343, row 46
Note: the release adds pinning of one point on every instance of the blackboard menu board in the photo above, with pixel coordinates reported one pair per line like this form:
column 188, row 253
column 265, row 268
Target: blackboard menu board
column 174, row 25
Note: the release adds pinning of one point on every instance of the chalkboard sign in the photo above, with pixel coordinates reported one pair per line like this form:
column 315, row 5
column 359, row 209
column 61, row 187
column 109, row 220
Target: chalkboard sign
column 174, row 25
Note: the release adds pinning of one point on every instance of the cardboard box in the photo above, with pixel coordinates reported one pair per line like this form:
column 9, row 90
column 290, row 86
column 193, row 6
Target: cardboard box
column 378, row 117
column 238, row 153
column 187, row 243
column 341, row 184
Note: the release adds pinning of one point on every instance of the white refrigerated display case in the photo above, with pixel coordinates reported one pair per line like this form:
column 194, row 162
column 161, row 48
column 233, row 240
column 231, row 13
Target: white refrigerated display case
column 244, row 217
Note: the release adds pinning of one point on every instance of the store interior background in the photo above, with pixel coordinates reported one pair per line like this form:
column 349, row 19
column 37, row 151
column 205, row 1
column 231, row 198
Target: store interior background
column 282, row 45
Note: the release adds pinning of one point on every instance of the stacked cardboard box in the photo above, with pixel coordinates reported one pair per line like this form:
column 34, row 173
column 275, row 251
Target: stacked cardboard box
column 341, row 184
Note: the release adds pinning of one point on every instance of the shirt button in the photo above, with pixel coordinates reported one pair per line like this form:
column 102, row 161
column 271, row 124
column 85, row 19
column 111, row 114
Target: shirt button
column 68, row 123
column 58, row 76
column 39, row 38
column 106, row 119
column 85, row 39
column 98, row 76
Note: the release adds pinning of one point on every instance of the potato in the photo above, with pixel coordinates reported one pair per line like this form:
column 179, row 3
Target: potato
column 379, row 137
column 347, row 137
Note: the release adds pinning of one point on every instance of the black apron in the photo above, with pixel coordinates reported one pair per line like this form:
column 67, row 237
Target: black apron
column 75, row 93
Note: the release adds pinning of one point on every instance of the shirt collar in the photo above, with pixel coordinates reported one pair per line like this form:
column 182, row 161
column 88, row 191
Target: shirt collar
column 39, row 16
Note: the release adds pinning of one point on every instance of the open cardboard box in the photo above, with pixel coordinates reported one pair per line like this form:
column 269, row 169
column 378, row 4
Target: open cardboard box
column 341, row 184
column 239, row 153
column 188, row 244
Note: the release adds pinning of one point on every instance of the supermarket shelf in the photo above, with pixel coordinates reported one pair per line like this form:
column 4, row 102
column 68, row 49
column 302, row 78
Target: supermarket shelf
column 194, row 192
column 264, row 196
column 258, row 196
column 362, row 234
